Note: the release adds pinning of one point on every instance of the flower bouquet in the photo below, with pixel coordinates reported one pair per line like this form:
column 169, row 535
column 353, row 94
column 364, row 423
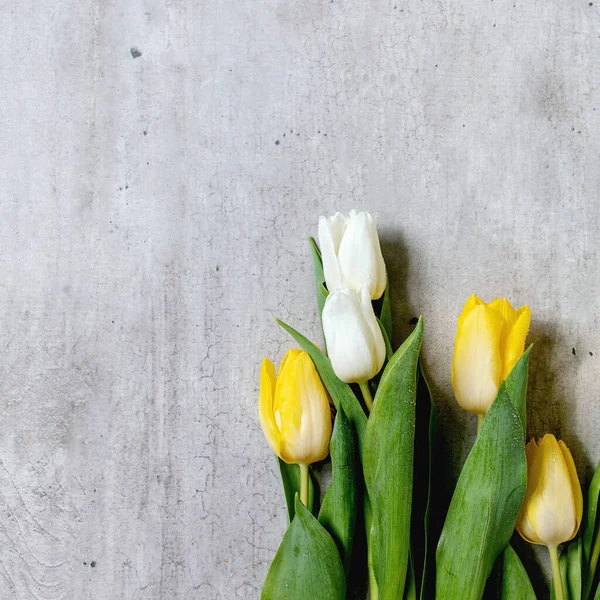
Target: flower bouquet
column 369, row 409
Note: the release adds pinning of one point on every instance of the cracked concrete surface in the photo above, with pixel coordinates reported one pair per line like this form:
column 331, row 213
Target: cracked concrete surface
column 163, row 165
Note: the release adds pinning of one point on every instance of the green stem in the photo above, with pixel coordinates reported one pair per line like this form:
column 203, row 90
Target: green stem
column 592, row 566
column 304, row 484
column 366, row 392
column 479, row 422
column 558, row 586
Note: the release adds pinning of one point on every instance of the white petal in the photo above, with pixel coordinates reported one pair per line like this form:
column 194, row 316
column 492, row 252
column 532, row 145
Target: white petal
column 378, row 343
column 349, row 337
column 331, row 231
column 360, row 256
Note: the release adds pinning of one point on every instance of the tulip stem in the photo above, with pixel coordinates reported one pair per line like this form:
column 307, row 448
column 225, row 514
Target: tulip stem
column 479, row 422
column 558, row 586
column 304, row 484
column 366, row 392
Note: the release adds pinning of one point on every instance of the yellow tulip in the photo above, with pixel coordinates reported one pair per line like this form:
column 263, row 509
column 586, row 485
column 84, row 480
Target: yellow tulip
column 294, row 409
column 553, row 506
column 489, row 341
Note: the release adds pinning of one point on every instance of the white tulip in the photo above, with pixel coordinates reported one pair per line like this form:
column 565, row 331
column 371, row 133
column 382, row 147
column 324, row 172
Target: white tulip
column 351, row 253
column 354, row 341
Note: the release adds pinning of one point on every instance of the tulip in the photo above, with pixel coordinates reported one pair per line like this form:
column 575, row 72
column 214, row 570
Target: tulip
column 354, row 340
column 294, row 412
column 351, row 253
column 489, row 342
column 553, row 507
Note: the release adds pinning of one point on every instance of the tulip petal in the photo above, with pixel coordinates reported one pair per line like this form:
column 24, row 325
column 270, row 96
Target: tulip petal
column 331, row 231
column 265, row 406
column 514, row 343
column 349, row 338
column 504, row 308
column 575, row 485
column 378, row 349
column 476, row 363
column 360, row 257
column 550, row 506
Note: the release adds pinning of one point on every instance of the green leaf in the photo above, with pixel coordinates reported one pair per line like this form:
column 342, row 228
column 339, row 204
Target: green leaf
column 516, row 386
column 589, row 525
column 290, row 477
column 388, row 467
column 321, row 290
column 307, row 564
column 574, row 568
column 410, row 591
column 425, row 432
column 388, row 345
column 485, row 504
column 386, row 312
column 341, row 393
column 338, row 512
column 516, row 584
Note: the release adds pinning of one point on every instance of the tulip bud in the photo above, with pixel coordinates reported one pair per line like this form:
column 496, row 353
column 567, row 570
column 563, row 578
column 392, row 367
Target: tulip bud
column 553, row 507
column 354, row 341
column 489, row 342
column 294, row 409
column 351, row 253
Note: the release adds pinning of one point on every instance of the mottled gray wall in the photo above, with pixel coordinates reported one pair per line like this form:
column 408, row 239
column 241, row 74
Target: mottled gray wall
column 163, row 163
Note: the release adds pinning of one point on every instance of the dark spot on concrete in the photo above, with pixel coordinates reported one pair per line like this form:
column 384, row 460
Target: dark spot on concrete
column 297, row 134
column 436, row 66
column 135, row 53
column 591, row 4
column 145, row 132
column 284, row 135
column 148, row 163
column 126, row 186
column 463, row 124
column 217, row 268
column 277, row 142
column 84, row 563
column 319, row 131
column 573, row 352
column 414, row 320
column 591, row 354
column 93, row 564
column 325, row 134
column 494, row 23
column 291, row 131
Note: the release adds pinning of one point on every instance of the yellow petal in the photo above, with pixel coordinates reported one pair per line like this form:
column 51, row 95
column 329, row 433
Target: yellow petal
column 515, row 340
column 287, row 408
column 268, row 383
column 476, row 363
column 575, row 485
column 470, row 304
column 550, row 504
column 524, row 525
column 504, row 308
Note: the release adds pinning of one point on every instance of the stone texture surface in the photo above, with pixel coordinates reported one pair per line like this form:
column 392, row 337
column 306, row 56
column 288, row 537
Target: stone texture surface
column 163, row 165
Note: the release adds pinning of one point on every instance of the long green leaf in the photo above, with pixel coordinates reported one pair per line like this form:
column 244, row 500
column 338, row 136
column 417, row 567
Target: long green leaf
column 425, row 432
column 307, row 564
column 290, row 478
column 338, row 512
column 516, row 584
column 320, row 288
column 386, row 312
column 340, row 392
column 410, row 591
column 589, row 525
column 574, row 567
column 388, row 345
column 388, row 466
column 516, row 386
column 485, row 504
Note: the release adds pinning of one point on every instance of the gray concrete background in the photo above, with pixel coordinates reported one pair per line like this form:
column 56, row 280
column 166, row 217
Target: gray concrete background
column 163, row 163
